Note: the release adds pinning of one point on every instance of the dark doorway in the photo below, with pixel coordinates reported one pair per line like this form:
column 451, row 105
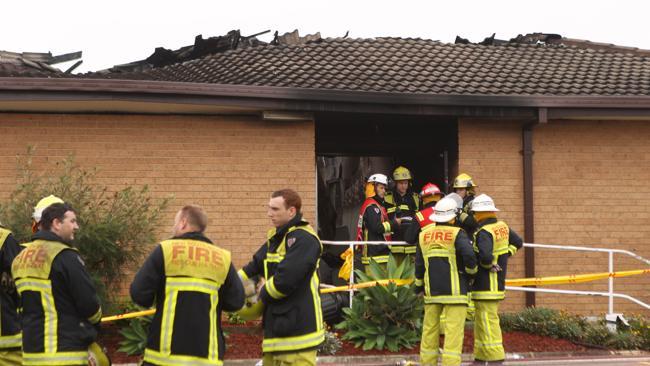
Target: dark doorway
column 350, row 147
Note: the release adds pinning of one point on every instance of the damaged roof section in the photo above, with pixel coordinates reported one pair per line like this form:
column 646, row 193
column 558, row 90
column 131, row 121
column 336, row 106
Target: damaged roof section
column 34, row 64
column 530, row 65
column 206, row 47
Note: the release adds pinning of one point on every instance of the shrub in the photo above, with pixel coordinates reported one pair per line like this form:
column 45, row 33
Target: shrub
column 135, row 336
column 115, row 227
column 384, row 316
column 332, row 343
column 559, row 324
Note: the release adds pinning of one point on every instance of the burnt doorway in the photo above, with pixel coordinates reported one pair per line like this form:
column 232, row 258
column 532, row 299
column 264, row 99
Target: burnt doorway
column 350, row 147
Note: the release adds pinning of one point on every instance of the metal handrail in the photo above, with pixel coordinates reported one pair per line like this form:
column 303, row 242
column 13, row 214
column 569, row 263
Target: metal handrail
column 610, row 293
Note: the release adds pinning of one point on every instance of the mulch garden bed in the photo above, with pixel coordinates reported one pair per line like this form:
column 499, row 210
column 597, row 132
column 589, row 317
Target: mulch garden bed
column 245, row 341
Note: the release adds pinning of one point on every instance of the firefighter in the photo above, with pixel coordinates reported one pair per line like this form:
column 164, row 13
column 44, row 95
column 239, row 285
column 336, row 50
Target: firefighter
column 402, row 203
column 288, row 265
column 374, row 223
column 494, row 243
column 430, row 194
column 464, row 186
column 61, row 310
column 444, row 262
column 10, row 334
column 190, row 280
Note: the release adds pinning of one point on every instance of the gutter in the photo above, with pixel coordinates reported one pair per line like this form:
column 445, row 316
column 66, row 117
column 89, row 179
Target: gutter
column 178, row 90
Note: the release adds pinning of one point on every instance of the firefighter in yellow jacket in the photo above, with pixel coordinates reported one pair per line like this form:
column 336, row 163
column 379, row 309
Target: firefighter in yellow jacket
column 494, row 243
column 61, row 310
column 288, row 265
column 10, row 334
column 191, row 281
column 444, row 262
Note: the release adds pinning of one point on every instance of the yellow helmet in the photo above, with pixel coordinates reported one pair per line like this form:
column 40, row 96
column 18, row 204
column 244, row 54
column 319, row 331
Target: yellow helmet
column 464, row 181
column 401, row 173
column 43, row 204
column 251, row 310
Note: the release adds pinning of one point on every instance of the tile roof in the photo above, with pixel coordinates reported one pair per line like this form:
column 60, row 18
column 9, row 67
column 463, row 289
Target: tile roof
column 405, row 65
column 34, row 64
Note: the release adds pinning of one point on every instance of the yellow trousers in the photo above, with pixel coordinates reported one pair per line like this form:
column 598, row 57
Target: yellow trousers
column 11, row 358
column 454, row 333
column 304, row 358
column 488, row 341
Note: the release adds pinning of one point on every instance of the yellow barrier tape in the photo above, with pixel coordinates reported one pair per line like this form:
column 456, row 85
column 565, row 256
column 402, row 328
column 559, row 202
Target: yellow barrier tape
column 538, row 281
column 562, row 280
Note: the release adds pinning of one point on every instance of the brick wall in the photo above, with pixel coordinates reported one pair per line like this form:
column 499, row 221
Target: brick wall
column 590, row 189
column 227, row 164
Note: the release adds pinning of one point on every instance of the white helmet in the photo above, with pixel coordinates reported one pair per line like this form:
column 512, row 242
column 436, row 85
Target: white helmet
column 378, row 178
column 483, row 203
column 457, row 198
column 43, row 204
column 446, row 210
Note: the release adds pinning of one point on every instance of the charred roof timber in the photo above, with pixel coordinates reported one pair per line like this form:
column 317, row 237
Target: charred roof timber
column 37, row 63
column 204, row 47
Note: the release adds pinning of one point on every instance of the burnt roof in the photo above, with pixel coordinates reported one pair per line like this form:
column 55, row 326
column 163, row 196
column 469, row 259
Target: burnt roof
column 413, row 65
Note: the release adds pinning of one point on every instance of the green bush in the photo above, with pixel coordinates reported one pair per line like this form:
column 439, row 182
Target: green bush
column 115, row 227
column 135, row 336
column 332, row 343
column 560, row 324
column 384, row 316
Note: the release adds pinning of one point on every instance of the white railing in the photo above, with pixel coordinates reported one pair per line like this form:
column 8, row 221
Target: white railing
column 610, row 293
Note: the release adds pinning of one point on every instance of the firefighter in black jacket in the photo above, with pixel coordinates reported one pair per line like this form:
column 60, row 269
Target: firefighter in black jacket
column 494, row 243
column 430, row 194
column 464, row 186
column 402, row 203
column 444, row 261
column 191, row 281
column 288, row 266
column 10, row 334
column 374, row 223
column 61, row 310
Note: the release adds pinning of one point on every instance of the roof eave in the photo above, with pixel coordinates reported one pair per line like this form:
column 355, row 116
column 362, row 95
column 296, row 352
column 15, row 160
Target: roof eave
column 303, row 99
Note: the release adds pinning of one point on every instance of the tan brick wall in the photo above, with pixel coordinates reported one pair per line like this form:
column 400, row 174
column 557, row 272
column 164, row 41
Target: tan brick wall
column 590, row 189
column 490, row 153
column 227, row 164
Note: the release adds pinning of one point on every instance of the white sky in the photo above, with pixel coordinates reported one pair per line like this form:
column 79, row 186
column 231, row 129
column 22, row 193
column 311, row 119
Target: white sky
column 119, row 31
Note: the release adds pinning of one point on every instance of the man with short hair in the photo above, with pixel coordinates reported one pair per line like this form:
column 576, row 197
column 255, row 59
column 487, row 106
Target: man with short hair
column 288, row 264
column 61, row 310
column 10, row 334
column 191, row 281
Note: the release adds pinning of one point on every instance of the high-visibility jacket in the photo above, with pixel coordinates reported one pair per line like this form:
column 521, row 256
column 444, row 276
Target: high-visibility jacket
column 423, row 219
column 443, row 261
column 60, row 307
column 10, row 334
column 374, row 225
column 494, row 243
column 293, row 319
column 405, row 208
column 191, row 281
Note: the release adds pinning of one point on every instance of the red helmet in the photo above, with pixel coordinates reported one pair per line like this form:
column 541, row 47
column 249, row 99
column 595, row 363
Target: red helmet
column 430, row 189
